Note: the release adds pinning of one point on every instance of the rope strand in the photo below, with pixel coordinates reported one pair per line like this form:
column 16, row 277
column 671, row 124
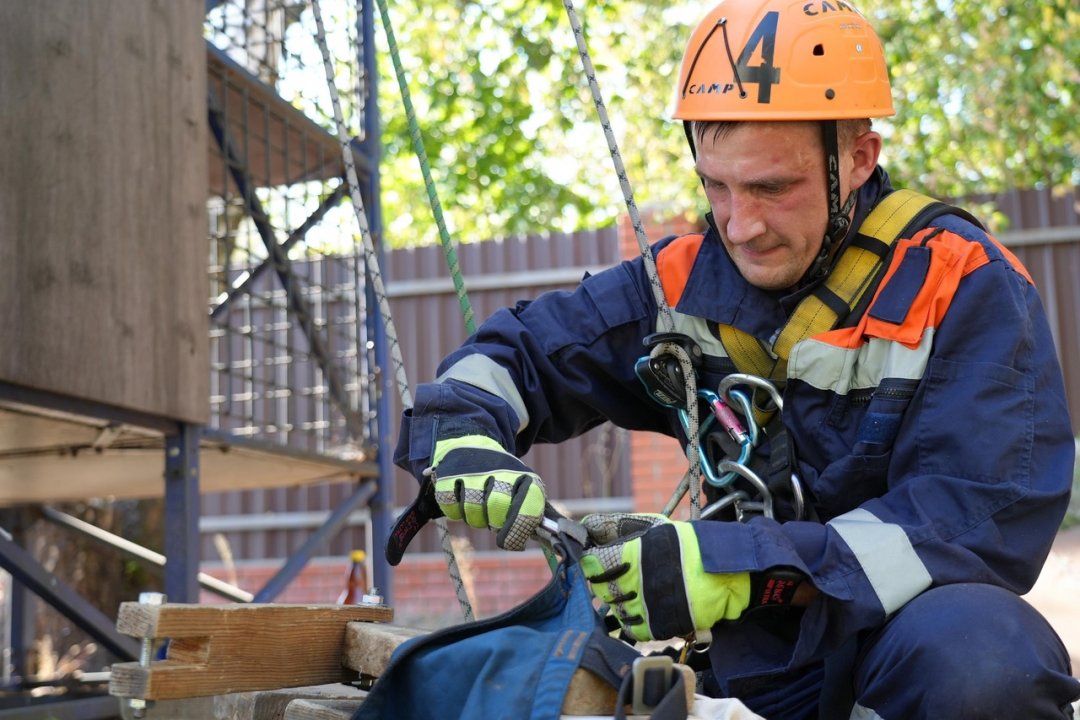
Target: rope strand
column 372, row 260
column 425, row 168
column 433, row 198
column 665, row 318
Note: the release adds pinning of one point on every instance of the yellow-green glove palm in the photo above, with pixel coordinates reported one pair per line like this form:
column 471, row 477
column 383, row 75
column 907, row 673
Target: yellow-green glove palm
column 657, row 587
column 479, row 482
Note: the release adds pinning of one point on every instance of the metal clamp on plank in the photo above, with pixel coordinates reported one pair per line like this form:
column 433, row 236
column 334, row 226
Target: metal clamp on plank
column 652, row 678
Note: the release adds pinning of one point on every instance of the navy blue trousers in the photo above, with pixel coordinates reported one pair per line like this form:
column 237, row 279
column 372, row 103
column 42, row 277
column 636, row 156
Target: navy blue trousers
column 957, row 652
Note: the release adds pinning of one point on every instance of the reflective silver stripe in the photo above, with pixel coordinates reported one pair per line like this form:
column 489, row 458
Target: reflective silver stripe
column 887, row 557
column 860, row 713
column 840, row 370
column 483, row 372
column 698, row 329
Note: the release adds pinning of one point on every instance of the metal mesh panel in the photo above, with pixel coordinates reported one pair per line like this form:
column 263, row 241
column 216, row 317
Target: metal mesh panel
column 290, row 352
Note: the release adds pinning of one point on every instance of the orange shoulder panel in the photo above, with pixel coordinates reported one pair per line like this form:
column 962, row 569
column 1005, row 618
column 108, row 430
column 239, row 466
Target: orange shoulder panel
column 952, row 257
column 673, row 265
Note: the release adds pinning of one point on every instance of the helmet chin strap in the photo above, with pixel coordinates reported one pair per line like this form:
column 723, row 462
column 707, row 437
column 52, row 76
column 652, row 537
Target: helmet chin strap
column 839, row 221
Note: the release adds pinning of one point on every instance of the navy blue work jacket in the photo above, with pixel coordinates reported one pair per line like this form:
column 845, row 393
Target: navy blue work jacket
column 932, row 433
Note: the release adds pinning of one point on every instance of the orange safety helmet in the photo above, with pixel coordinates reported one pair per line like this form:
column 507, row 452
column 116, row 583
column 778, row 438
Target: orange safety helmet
column 783, row 60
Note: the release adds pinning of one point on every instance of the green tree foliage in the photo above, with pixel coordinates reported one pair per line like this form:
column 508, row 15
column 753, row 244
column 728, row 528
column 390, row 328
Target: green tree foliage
column 987, row 93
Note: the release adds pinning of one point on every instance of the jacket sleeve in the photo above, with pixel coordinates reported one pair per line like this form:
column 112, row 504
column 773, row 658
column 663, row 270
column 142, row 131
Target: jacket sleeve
column 977, row 481
column 543, row 371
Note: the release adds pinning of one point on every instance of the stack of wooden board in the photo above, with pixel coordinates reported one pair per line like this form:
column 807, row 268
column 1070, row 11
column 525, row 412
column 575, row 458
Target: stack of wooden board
column 278, row 662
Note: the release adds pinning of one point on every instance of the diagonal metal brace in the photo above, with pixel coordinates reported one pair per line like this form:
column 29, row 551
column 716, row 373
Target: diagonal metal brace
column 281, row 265
column 24, row 568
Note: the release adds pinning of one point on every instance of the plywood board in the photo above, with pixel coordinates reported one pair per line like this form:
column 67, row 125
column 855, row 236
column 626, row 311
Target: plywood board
column 58, row 458
column 103, row 279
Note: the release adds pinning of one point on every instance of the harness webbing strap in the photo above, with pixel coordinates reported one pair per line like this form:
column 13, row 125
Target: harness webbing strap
column 750, row 354
column 859, row 264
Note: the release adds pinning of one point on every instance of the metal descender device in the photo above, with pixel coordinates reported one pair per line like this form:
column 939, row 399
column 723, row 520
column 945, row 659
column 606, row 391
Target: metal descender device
column 664, row 376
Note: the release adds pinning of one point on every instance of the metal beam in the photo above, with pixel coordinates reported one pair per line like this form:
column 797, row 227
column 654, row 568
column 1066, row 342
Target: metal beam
column 295, row 520
column 493, row 281
column 382, row 515
column 298, row 559
column 70, row 405
column 182, row 514
column 24, row 568
column 1039, row 236
column 138, row 552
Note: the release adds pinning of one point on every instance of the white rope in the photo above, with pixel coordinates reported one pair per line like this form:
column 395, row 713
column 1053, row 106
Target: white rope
column 375, row 274
column 665, row 318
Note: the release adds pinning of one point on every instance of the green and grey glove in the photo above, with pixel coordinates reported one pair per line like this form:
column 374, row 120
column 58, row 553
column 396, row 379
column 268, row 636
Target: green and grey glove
column 656, row 585
column 606, row 528
column 477, row 481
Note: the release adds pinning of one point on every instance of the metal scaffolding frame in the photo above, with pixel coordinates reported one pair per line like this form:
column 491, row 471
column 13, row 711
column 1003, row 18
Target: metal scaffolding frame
column 338, row 377
column 362, row 425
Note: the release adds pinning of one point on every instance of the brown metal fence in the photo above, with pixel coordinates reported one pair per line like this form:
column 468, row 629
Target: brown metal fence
column 586, row 472
column 1044, row 232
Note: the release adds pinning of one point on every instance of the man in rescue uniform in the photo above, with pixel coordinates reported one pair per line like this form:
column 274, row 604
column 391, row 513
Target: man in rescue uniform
column 927, row 421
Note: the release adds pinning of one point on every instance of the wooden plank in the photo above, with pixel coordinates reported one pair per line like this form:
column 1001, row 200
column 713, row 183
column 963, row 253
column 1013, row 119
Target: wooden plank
column 368, row 646
column 321, row 709
column 276, row 704
column 103, row 279
column 219, row 649
column 132, row 472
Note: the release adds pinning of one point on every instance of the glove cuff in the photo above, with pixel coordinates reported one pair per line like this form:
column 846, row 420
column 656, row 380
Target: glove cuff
column 472, row 442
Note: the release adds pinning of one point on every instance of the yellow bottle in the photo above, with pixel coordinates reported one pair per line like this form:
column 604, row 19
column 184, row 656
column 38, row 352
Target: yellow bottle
column 357, row 585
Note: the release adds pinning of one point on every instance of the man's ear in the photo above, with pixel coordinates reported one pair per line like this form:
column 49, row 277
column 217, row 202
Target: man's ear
column 864, row 157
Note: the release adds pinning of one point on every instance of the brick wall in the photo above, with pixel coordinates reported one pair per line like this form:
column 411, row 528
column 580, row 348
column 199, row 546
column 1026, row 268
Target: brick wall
column 423, row 593
column 658, row 224
column 657, row 464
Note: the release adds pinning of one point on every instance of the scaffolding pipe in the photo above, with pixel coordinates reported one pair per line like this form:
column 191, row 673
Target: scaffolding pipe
column 134, row 550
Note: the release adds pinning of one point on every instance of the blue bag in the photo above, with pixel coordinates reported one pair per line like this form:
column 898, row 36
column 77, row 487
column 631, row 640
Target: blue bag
column 515, row 665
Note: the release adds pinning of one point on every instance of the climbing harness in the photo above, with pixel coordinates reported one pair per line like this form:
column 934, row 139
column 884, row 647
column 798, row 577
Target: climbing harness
column 755, row 391
column 851, row 283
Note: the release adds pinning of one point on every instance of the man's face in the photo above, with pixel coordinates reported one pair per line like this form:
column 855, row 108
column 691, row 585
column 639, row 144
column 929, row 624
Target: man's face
column 766, row 182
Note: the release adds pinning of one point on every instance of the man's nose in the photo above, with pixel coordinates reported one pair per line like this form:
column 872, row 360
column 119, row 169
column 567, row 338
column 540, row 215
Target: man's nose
column 746, row 221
